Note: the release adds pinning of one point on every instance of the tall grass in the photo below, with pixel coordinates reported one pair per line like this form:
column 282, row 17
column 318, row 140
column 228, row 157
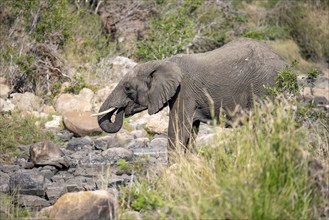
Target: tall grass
column 260, row 170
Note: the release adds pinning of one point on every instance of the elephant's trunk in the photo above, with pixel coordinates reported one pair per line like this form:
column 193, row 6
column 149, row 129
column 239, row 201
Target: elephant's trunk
column 107, row 125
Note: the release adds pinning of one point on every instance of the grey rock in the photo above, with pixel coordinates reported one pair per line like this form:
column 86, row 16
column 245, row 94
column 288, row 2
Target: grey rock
column 6, row 105
column 33, row 202
column 120, row 139
column 93, row 158
column 63, row 136
column 77, row 144
column 159, row 143
column 138, row 143
column 27, row 101
column 9, row 168
column 4, row 182
column 53, row 192
column 27, row 183
column 81, row 183
column 92, row 171
column 115, row 154
column 47, row 153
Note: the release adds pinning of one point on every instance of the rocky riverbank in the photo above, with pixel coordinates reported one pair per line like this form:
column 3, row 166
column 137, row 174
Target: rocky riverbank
column 48, row 176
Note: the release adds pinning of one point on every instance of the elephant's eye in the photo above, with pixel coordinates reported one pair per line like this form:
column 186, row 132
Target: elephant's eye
column 128, row 88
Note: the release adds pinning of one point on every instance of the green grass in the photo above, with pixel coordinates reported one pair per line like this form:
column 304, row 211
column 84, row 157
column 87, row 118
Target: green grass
column 16, row 129
column 260, row 170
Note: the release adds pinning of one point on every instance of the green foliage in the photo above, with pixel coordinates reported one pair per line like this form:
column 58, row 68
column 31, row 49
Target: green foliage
column 286, row 82
column 77, row 84
column 142, row 197
column 55, row 18
column 16, row 129
column 266, row 33
column 247, row 173
column 169, row 33
column 124, row 166
column 306, row 24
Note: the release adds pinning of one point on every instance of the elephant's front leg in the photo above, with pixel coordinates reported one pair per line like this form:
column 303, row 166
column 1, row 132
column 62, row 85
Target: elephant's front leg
column 179, row 130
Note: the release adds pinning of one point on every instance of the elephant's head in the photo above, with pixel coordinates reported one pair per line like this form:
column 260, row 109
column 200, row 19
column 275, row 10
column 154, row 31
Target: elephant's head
column 147, row 86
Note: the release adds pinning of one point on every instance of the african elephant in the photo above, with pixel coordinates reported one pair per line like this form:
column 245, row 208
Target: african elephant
column 194, row 86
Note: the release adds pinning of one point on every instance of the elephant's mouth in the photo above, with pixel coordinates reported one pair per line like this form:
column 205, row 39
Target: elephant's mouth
column 133, row 109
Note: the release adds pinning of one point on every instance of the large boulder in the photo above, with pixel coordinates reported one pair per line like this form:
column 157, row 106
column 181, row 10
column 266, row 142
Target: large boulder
column 27, row 102
column 68, row 102
column 85, row 205
column 27, row 183
column 47, row 153
column 81, row 123
column 32, row 202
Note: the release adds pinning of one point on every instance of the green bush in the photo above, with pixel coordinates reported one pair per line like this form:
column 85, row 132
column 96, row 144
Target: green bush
column 261, row 170
column 170, row 32
column 16, row 129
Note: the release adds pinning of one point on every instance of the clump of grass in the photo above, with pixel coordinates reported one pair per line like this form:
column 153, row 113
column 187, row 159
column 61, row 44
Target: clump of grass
column 15, row 130
column 257, row 171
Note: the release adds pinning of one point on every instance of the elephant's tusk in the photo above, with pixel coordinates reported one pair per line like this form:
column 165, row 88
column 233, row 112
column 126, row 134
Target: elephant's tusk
column 103, row 112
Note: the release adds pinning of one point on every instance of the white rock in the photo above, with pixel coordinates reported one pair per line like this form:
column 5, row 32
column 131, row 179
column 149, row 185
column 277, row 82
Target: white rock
column 27, row 102
column 121, row 66
column 86, row 94
column 4, row 91
column 6, row 105
column 69, row 102
column 55, row 123
column 101, row 95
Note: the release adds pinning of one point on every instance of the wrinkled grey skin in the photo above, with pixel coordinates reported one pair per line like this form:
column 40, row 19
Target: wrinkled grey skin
column 229, row 75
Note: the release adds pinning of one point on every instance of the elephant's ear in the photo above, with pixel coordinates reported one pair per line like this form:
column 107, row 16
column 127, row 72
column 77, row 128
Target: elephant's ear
column 163, row 83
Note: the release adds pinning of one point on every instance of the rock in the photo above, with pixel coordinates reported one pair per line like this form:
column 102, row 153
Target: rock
column 47, row 153
column 4, row 90
column 120, row 67
column 53, row 192
column 138, row 143
column 3, row 80
column 117, row 153
column 77, row 144
column 27, row 183
column 158, row 123
column 48, row 109
column 69, row 103
column 80, row 183
column 155, row 124
column 6, row 105
column 98, row 204
column 27, row 102
column 81, row 123
column 63, row 136
column 55, row 123
column 101, row 95
column 32, row 202
column 43, row 213
column 86, row 94
column 4, row 182
column 9, row 168
column 131, row 215
column 120, row 139
column 157, row 149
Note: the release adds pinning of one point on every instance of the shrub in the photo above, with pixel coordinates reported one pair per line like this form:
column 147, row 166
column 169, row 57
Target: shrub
column 16, row 129
column 261, row 170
